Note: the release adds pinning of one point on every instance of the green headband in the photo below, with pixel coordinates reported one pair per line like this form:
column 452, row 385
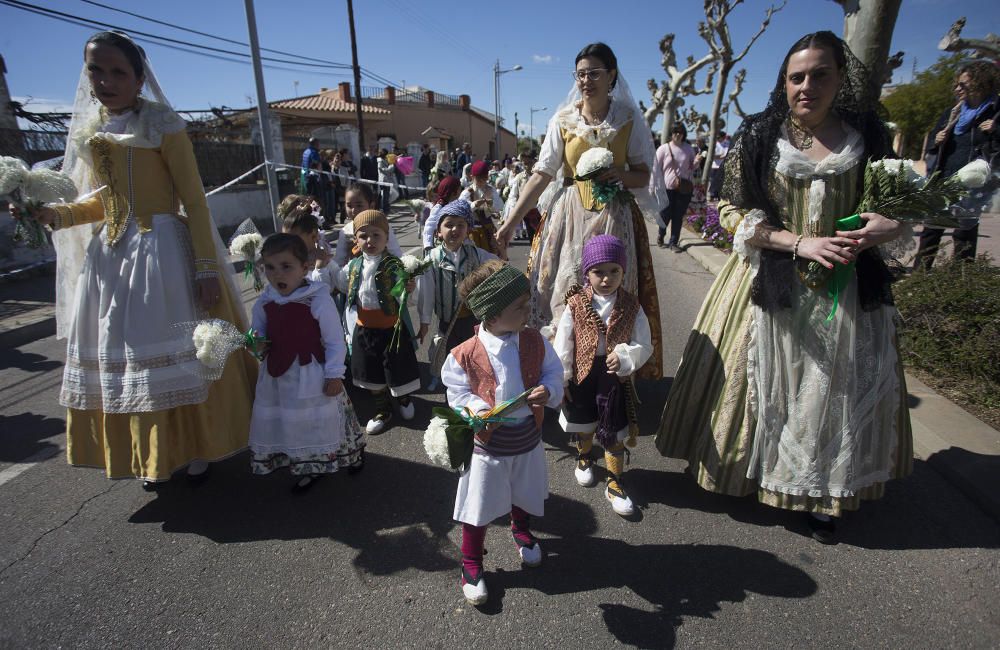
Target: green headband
column 497, row 292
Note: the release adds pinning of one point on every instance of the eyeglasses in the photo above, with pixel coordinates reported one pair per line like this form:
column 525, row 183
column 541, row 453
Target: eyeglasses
column 593, row 74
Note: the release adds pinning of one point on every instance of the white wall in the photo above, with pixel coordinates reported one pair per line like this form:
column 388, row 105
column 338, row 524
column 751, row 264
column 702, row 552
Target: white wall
column 233, row 205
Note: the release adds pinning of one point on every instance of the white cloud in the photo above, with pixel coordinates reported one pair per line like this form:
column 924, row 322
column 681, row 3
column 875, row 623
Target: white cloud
column 543, row 58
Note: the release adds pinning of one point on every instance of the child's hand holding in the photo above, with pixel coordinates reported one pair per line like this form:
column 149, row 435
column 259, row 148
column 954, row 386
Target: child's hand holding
column 422, row 332
column 614, row 363
column 323, row 257
column 411, row 285
column 538, row 396
column 333, row 387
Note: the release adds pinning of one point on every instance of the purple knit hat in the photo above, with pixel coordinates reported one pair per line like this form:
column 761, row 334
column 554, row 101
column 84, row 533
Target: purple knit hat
column 601, row 249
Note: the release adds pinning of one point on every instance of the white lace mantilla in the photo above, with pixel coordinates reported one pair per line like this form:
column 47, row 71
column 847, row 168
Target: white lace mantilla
column 571, row 120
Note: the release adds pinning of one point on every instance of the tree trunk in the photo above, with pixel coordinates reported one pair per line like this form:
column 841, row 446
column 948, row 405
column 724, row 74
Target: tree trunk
column 669, row 111
column 713, row 125
column 868, row 26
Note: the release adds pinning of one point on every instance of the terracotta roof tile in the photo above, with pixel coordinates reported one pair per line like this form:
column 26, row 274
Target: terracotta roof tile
column 325, row 102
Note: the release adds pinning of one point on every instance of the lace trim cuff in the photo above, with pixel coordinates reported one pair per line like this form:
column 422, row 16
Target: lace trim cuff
column 200, row 275
column 746, row 231
column 901, row 246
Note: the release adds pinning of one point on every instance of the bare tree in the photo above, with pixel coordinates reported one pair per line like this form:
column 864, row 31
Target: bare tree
column 868, row 30
column 738, row 79
column 669, row 95
column 715, row 31
column 986, row 47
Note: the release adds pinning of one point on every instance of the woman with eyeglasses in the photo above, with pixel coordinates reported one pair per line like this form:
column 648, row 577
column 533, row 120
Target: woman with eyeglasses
column 965, row 132
column 598, row 112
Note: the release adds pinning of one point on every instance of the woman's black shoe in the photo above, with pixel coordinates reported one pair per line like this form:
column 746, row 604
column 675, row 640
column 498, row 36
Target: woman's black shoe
column 824, row 532
column 305, row 483
column 150, row 486
column 358, row 465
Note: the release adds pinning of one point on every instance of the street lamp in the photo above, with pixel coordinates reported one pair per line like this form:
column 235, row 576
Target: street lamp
column 531, row 121
column 496, row 103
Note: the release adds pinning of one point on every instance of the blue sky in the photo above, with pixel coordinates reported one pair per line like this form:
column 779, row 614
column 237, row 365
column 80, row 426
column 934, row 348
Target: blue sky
column 446, row 46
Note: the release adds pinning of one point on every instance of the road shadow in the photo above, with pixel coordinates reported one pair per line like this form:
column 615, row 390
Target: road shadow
column 921, row 511
column 24, row 435
column 13, row 358
column 677, row 580
column 396, row 513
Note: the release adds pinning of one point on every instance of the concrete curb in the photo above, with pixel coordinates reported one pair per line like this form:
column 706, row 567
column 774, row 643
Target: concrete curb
column 961, row 447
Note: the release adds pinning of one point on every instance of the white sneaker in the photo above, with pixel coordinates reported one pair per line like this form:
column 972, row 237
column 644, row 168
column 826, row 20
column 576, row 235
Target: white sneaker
column 584, row 472
column 475, row 594
column 531, row 555
column 407, row 412
column 620, row 502
column 375, row 426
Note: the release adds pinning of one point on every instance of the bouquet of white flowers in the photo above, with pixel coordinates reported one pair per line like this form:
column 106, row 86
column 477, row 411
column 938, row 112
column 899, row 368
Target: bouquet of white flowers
column 404, row 269
column 245, row 245
column 895, row 190
column 451, row 434
column 594, row 162
column 212, row 341
column 29, row 189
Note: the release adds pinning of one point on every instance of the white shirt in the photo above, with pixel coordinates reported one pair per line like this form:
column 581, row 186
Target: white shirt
column 325, row 312
column 721, row 151
column 497, row 201
column 503, row 352
column 631, row 355
column 367, row 289
column 427, row 283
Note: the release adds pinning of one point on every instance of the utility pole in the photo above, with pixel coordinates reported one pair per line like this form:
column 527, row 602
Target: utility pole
column 262, row 114
column 357, row 79
column 515, row 134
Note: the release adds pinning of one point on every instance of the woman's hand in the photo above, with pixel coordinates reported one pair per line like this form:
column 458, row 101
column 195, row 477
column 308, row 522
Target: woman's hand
column 422, row 332
column 878, row 230
column 828, row 250
column 43, row 215
column 940, row 136
column 333, row 387
column 986, row 126
column 611, row 175
column 209, row 292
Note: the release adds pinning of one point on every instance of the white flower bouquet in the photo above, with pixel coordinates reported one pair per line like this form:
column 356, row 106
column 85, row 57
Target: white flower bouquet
column 451, row 435
column 212, row 341
column 29, row 189
column 895, row 190
column 245, row 245
column 594, row 162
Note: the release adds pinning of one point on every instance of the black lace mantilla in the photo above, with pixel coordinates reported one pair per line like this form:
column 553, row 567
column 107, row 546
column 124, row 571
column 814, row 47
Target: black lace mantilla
column 751, row 162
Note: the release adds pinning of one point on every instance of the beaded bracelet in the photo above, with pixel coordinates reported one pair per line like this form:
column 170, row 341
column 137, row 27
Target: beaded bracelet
column 795, row 249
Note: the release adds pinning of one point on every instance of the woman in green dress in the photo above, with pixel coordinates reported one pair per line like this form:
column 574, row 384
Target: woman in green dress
column 781, row 391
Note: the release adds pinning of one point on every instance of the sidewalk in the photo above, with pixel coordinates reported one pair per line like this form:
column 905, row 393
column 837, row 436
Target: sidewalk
column 964, row 449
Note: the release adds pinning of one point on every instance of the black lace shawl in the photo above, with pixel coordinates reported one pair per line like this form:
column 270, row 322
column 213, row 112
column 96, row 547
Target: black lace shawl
column 751, row 162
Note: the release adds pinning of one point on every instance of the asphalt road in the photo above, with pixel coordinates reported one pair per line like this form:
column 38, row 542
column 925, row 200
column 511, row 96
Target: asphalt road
column 372, row 560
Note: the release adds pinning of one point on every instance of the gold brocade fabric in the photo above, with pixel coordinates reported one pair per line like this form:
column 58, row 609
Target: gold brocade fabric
column 576, row 146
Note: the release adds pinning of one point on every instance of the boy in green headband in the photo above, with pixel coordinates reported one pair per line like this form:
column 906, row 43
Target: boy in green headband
column 507, row 473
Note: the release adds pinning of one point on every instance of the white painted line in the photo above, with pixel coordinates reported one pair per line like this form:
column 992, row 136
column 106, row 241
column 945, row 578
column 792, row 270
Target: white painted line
column 17, row 469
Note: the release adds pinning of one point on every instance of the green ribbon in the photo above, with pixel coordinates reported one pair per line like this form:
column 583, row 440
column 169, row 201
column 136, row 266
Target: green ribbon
column 251, row 341
column 842, row 273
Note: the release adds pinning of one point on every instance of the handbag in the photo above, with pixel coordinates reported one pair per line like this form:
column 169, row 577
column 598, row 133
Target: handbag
column 684, row 186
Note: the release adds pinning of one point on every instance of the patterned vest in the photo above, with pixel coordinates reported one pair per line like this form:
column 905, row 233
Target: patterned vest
column 447, row 278
column 293, row 334
column 588, row 326
column 384, row 281
column 475, row 361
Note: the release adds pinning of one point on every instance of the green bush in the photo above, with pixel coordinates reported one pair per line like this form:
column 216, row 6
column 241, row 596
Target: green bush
column 951, row 328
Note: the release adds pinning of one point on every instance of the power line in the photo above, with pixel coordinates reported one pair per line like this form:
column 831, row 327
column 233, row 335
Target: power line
column 368, row 73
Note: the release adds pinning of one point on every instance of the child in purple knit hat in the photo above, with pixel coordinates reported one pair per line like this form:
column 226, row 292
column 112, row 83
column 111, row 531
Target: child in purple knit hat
column 602, row 339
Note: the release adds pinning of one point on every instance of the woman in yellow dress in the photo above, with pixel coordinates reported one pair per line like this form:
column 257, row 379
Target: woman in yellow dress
column 130, row 266
column 599, row 112
column 781, row 391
